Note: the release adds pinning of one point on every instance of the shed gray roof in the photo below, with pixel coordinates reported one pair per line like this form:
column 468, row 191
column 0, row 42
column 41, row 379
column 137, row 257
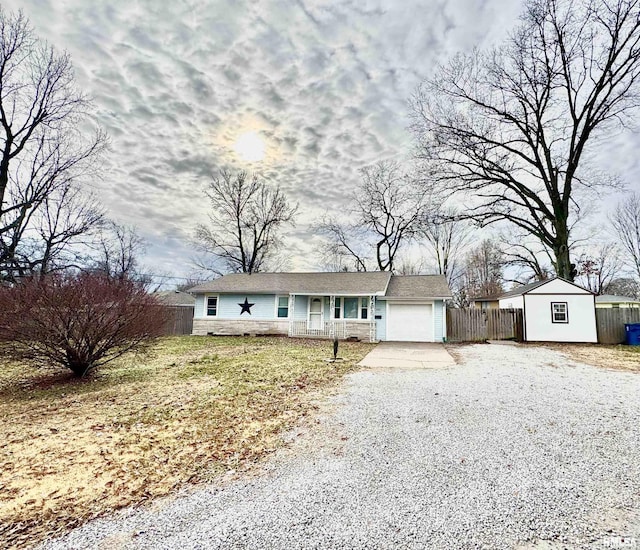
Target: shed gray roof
column 175, row 298
column 522, row 289
column 612, row 299
column 526, row 288
column 418, row 286
column 371, row 282
column 379, row 283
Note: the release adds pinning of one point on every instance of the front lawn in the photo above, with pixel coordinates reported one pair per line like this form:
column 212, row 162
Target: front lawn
column 185, row 412
column 619, row 357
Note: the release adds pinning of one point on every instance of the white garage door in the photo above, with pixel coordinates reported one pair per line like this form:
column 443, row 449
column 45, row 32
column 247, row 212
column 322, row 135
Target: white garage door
column 410, row 323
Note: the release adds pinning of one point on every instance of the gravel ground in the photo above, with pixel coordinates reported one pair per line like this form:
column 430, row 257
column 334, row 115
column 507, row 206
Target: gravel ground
column 516, row 447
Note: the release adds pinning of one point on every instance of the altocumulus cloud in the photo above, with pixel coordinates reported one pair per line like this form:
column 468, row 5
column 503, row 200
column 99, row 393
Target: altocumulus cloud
column 324, row 83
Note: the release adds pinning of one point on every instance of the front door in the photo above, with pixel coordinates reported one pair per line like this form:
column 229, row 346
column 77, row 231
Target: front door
column 315, row 314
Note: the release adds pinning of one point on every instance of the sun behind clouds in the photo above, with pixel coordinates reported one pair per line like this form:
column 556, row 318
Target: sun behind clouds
column 250, row 147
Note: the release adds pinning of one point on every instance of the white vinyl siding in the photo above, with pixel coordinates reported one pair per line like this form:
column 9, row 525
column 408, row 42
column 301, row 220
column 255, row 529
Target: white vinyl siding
column 580, row 325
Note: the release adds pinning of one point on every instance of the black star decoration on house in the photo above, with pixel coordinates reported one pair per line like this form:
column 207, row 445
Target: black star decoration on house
column 246, row 307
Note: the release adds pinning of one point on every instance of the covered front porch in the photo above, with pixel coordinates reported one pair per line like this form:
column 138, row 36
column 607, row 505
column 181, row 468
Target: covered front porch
column 332, row 316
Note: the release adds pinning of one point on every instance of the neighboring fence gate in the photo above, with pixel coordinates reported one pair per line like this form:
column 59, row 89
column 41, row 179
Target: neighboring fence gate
column 610, row 323
column 477, row 325
column 179, row 320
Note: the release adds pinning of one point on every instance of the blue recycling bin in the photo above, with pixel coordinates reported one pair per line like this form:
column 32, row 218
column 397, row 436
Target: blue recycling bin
column 632, row 332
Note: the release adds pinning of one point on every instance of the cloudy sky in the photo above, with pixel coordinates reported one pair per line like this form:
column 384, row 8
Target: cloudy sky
column 185, row 87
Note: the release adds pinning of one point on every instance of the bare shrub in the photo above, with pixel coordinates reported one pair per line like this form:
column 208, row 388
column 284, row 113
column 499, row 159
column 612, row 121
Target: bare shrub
column 78, row 321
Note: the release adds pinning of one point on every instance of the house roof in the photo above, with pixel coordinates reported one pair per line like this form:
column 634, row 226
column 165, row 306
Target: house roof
column 492, row 298
column 379, row 283
column 359, row 283
column 418, row 286
column 612, row 299
column 175, row 298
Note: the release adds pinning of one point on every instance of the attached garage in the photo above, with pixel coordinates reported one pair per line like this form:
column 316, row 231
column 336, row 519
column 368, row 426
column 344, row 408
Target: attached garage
column 410, row 322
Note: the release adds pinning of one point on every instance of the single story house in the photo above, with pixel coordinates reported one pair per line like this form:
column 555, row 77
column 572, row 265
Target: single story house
column 175, row 298
column 555, row 310
column 485, row 302
column 371, row 306
column 608, row 301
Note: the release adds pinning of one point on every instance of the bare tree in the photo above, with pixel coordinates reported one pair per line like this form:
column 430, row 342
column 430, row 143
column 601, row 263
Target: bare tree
column 60, row 231
column 43, row 152
column 511, row 128
column 483, row 270
column 597, row 270
column 346, row 246
column 388, row 214
column 626, row 223
column 531, row 259
column 416, row 266
column 247, row 215
column 117, row 253
column 447, row 237
column 623, row 286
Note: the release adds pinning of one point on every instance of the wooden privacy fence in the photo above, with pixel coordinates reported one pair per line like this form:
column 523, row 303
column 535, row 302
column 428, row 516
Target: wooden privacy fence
column 477, row 325
column 610, row 323
column 179, row 320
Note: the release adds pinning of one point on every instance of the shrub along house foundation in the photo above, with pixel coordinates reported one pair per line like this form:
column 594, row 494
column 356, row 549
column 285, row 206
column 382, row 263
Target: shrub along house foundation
column 370, row 306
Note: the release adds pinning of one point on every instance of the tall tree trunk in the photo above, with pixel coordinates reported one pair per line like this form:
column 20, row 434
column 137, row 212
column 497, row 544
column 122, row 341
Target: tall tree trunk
column 563, row 259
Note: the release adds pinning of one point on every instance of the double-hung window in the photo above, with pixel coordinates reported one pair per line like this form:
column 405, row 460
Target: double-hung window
column 559, row 312
column 283, row 307
column 212, row 306
column 364, row 308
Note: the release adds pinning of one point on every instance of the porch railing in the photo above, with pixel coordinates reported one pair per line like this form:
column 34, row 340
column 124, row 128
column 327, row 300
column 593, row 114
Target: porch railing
column 327, row 329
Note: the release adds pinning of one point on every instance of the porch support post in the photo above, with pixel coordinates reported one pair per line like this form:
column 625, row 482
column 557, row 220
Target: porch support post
column 292, row 313
column 371, row 314
column 332, row 312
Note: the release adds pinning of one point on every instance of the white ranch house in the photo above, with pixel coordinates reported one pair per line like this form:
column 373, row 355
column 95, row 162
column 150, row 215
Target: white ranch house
column 371, row 306
column 610, row 301
column 555, row 310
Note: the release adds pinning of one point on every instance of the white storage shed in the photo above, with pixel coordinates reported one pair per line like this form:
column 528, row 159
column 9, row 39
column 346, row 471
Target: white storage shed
column 555, row 310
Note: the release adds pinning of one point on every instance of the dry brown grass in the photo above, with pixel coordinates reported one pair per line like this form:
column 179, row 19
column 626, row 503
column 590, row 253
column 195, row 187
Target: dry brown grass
column 619, row 357
column 139, row 428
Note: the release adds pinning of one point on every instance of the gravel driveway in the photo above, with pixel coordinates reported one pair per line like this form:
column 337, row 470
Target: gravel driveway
column 515, row 447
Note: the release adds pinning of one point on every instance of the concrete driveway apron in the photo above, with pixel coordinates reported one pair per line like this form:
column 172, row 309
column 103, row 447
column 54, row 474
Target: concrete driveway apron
column 425, row 355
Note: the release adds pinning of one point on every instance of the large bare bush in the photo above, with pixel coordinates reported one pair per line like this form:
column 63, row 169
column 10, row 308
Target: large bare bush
column 78, row 321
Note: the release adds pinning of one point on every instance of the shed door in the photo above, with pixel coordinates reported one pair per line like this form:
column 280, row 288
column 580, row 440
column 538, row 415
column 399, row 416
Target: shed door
column 410, row 323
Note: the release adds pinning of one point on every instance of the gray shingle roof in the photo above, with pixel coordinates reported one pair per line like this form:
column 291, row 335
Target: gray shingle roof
column 522, row 289
column 612, row 299
column 526, row 288
column 175, row 298
column 371, row 282
column 365, row 283
column 418, row 286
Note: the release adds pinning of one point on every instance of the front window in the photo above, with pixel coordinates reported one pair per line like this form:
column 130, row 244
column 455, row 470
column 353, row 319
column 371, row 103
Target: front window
column 337, row 310
column 283, row 306
column 559, row 312
column 351, row 308
column 364, row 308
column 212, row 306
